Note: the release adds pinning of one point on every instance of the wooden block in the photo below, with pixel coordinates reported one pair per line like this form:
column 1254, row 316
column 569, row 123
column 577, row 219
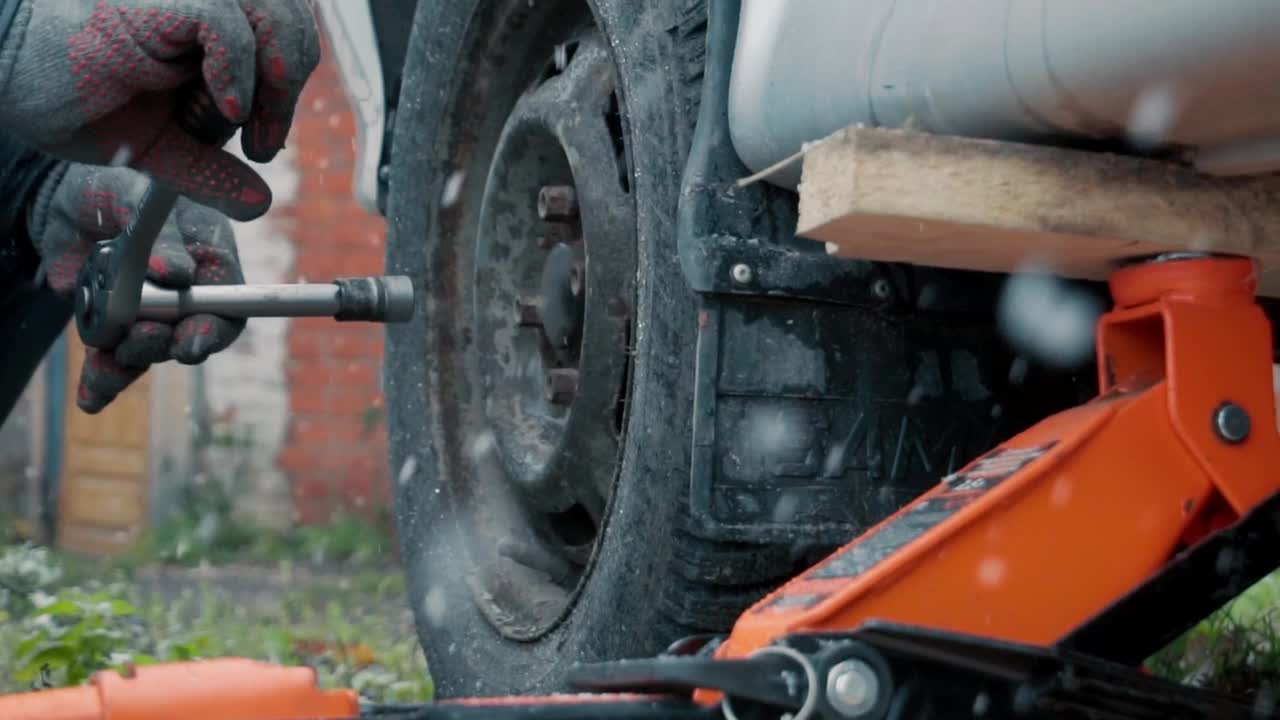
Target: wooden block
column 954, row 202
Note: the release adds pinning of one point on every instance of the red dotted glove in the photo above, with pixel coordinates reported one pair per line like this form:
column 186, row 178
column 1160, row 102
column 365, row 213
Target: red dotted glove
column 78, row 206
column 94, row 81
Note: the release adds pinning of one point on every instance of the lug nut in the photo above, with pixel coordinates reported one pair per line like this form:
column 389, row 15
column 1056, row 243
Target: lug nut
column 562, row 385
column 557, row 203
column 528, row 311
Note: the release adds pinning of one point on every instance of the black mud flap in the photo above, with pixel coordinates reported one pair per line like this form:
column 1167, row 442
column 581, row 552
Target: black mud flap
column 829, row 392
column 813, row 421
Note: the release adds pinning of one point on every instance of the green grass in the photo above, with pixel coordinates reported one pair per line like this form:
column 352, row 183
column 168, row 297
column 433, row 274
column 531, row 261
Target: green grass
column 1236, row 649
column 354, row 629
column 206, row 529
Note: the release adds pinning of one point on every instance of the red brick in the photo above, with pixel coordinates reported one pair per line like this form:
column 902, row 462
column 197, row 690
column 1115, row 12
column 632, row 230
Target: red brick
column 358, row 374
column 310, row 486
column 317, row 186
column 316, row 210
column 348, row 348
column 358, row 481
column 300, row 462
column 311, row 373
column 309, row 511
column 309, row 400
column 304, row 346
column 355, row 401
column 322, row 267
column 333, row 453
column 326, row 431
column 322, row 373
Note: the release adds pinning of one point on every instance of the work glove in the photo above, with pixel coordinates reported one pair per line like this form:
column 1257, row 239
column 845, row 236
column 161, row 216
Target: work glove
column 77, row 206
column 96, row 81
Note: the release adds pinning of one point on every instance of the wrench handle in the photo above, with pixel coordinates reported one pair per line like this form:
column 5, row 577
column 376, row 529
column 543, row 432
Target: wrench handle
column 387, row 299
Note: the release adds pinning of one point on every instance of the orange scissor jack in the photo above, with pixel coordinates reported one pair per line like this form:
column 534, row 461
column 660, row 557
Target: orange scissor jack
column 1034, row 581
column 1037, row 578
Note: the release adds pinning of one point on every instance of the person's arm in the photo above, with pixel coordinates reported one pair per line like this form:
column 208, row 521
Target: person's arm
column 31, row 316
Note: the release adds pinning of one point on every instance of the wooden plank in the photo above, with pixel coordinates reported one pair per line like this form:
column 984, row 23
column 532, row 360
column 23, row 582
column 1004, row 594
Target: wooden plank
column 954, row 202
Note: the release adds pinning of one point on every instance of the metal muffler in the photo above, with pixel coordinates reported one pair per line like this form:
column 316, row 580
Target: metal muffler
column 1199, row 77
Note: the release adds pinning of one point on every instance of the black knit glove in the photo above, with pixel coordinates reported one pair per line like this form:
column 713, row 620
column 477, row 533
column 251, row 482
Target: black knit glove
column 95, row 80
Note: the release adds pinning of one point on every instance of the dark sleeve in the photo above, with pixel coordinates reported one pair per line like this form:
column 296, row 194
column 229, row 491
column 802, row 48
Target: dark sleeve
column 31, row 319
column 31, row 316
column 21, row 170
column 8, row 11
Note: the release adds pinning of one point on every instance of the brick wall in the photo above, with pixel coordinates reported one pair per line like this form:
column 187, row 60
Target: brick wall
column 335, row 447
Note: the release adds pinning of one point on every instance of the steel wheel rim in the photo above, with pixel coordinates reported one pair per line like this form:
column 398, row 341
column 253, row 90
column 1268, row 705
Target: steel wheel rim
column 550, row 375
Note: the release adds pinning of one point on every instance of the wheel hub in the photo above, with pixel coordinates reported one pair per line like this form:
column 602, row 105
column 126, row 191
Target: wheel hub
column 561, row 297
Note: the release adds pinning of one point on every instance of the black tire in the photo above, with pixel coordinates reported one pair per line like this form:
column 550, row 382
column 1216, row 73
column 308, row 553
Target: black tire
column 650, row 579
column 615, row 613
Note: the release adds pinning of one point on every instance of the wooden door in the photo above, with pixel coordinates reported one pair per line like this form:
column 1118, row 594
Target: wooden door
column 102, row 495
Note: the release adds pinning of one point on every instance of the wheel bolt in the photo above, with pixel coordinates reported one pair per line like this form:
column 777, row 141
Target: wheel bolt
column 557, row 203
column 528, row 311
column 562, row 385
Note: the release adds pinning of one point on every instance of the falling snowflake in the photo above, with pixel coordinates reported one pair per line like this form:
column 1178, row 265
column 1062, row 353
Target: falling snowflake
column 407, row 469
column 1153, row 116
column 122, row 156
column 1044, row 317
column 434, row 605
column 480, row 445
column 452, row 189
column 992, row 571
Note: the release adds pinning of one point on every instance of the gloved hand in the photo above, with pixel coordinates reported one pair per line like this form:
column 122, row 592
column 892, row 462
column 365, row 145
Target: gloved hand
column 94, row 81
column 80, row 205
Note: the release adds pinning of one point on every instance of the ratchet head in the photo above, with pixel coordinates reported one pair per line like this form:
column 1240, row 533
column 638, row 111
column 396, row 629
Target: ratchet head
column 94, row 297
column 110, row 283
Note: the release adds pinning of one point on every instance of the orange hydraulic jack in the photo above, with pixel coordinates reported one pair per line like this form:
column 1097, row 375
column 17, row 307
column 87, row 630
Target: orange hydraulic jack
column 1034, row 581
